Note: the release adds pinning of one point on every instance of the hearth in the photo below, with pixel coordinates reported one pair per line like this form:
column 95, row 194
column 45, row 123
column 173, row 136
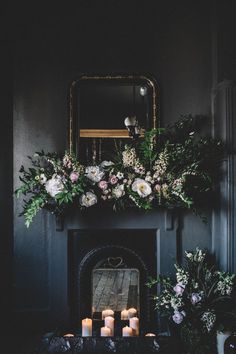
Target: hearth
column 108, row 269
column 55, row 343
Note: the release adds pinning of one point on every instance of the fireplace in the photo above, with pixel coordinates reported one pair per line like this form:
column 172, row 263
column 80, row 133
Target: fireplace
column 109, row 269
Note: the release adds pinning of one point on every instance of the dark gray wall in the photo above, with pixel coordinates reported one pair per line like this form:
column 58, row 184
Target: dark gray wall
column 224, row 127
column 172, row 41
column 6, row 176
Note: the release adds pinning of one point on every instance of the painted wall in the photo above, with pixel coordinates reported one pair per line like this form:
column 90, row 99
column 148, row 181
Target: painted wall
column 6, row 176
column 173, row 42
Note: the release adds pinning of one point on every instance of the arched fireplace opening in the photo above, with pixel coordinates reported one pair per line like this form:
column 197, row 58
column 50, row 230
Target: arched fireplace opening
column 109, row 269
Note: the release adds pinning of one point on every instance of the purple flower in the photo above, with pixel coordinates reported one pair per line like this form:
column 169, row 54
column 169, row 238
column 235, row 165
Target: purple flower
column 74, row 177
column 179, row 288
column 195, row 298
column 178, row 317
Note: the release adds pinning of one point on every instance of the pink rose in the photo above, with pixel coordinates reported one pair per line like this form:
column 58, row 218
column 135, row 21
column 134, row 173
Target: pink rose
column 102, row 185
column 113, row 179
column 74, row 177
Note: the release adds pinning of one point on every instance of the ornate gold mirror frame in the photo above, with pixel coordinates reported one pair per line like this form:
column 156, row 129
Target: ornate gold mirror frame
column 74, row 133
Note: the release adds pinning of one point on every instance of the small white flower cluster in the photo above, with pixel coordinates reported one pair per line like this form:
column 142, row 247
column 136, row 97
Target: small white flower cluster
column 198, row 256
column 225, row 285
column 129, row 156
column 165, row 190
column 67, row 162
column 135, row 201
column 164, row 300
column 182, row 275
column 139, row 168
column 176, row 302
column 130, row 159
column 208, row 318
column 178, row 184
column 160, row 165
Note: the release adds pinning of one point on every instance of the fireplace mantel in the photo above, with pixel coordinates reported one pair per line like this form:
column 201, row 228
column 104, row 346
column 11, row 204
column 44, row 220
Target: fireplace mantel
column 105, row 218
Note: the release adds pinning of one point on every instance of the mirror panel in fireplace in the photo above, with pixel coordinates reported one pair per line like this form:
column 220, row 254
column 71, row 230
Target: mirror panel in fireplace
column 115, row 289
column 113, row 253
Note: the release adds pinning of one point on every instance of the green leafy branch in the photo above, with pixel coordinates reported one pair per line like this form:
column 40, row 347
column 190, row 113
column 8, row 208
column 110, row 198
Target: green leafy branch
column 32, row 206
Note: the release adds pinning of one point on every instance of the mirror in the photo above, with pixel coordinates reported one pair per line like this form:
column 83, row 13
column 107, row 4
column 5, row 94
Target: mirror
column 99, row 106
column 115, row 289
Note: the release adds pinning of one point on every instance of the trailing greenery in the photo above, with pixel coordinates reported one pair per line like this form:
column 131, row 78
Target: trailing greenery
column 171, row 167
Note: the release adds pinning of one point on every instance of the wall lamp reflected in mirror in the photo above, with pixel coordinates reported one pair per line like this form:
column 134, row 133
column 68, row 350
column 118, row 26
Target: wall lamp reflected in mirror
column 143, row 91
column 132, row 126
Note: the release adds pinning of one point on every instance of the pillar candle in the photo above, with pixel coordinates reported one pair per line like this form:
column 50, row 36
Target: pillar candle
column 134, row 324
column 127, row 331
column 106, row 313
column 87, row 327
column 68, row 335
column 132, row 312
column 109, row 322
column 124, row 315
column 105, row 332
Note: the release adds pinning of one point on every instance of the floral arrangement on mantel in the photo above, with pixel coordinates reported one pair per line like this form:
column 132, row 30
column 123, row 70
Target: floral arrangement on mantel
column 167, row 167
column 199, row 302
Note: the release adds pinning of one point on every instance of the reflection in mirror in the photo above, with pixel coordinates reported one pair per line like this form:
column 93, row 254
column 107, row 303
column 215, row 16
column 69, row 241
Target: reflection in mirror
column 115, row 289
column 111, row 104
column 99, row 106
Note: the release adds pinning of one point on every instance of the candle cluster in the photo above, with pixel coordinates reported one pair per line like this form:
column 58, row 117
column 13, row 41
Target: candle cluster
column 109, row 322
column 127, row 314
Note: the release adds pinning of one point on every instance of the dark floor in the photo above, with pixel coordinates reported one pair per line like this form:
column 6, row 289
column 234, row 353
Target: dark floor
column 19, row 344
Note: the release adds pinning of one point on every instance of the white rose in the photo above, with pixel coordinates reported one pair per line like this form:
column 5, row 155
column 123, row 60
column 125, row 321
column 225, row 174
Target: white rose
column 141, row 187
column 88, row 199
column 94, row 173
column 54, row 185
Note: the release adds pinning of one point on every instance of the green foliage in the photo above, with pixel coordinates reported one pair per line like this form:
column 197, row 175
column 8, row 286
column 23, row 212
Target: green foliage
column 32, row 207
column 169, row 167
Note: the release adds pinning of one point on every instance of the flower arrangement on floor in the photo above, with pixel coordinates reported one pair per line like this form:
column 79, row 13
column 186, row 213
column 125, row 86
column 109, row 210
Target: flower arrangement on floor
column 199, row 302
column 167, row 167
